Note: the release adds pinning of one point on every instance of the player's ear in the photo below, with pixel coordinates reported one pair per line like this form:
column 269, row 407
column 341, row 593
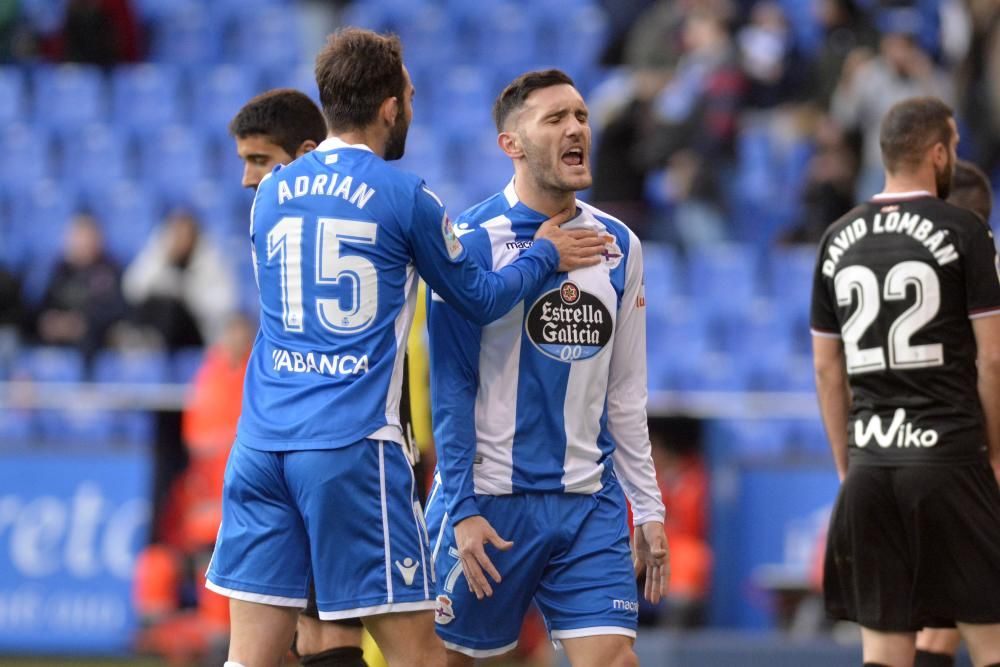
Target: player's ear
column 306, row 146
column 510, row 144
column 389, row 110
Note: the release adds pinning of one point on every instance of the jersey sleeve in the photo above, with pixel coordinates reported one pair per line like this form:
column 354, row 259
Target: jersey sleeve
column 477, row 294
column 982, row 273
column 823, row 311
column 454, row 355
column 627, row 396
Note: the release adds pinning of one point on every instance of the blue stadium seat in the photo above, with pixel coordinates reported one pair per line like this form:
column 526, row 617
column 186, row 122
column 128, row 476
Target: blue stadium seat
column 422, row 37
column 507, row 36
column 217, row 212
column 753, row 438
column 576, row 37
column 173, row 161
column 146, row 97
column 722, row 279
column 133, row 366
column 94, row 157
column 128, row 215
column 219, row 93
column 186, row 36
column 809, row 439
column 676, row 339
column 12, row 95
column 184, row 364
column 791, row 273
column 485, row 170
column 41, row 215
column 424, row 156
column 16, row 427
column 26, row 154
column 462, row 102
column 300, row 77
column 269, row 37
column 660, row 263
column 67, row 97
column 50, row 364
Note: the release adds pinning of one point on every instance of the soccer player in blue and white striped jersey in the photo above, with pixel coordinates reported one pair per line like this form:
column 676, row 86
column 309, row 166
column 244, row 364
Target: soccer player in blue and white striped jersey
column 540, row 417
column 317, row 480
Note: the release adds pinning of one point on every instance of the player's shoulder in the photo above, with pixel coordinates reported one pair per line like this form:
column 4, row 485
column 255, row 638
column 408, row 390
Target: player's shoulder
column 477, row 215
column 861, row 210
column 614, row 226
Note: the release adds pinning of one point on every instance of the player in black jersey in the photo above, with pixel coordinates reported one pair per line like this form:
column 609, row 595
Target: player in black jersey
column 970, row 189
column 907, row 352
column 275, row 128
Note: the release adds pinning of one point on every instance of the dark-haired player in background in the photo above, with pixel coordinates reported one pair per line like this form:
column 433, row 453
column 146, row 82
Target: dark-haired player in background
column 318, row 479
column 905, row 330
column 970, row 189
column 275, row 128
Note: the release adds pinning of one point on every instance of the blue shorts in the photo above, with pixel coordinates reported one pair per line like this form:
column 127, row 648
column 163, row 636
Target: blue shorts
column 348, row 517
column 571, row 555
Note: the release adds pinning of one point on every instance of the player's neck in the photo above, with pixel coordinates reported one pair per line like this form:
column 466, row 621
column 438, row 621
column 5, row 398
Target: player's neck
column 367, row 137
column 900, row 183
column 544, row 200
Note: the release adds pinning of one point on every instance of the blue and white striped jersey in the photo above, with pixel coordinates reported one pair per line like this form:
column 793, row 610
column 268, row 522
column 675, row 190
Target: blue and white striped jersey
column 552, row 396
column 338, row 239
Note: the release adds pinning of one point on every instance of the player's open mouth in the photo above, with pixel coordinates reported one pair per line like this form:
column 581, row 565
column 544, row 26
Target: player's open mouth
column 573, row 157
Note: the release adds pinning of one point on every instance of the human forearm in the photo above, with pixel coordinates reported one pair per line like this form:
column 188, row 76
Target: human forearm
column 834, row 396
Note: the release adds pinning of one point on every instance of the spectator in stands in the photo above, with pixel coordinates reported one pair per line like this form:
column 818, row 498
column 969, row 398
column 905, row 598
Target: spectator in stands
column 83, row 298
column 868, row 88
column 770, row 60
column 829, row 187
column 981, row 85
column 13, row 316
column 180, row 284
column 100, row 32
column 846, row 29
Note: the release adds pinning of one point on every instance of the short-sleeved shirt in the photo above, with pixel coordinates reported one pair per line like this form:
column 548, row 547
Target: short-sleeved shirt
column 898, row 279
column 338, row 238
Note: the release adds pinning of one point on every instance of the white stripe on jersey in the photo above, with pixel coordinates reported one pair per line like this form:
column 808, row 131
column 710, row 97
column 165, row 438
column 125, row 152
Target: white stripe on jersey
column 585, row 392
column 496, row 400
column 392, row 430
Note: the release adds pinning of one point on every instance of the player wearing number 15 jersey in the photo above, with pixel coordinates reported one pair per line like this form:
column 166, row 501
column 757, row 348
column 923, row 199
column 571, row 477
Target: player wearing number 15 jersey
column 317, row 480
column 905, row 302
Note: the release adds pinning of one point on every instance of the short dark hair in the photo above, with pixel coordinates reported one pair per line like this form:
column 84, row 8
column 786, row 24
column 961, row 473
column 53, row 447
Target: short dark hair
column 356, row 71
column 910, row 128
column 285, row 116
column 517, row 91
column 970, row 189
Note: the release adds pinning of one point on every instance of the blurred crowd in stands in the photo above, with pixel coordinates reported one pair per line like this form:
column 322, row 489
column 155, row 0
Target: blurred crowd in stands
column 715, row 121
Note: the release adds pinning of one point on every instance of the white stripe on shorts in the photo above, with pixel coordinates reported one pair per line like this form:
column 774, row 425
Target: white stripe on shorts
column 398, row 608
column 481, row 652
column 387, row 547
column 246, row 596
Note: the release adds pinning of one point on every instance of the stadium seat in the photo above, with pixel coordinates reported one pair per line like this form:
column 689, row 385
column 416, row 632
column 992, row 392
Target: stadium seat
column 133, row 366
column 95, row 156
column 40, row 217
column 128, row 214
column 184, row 364
column 186, row 36
column 146, row 97
column 660, row 264
column 12, row 95
column 424, row 156
column 809, row 439
column 462, row 102
column 790, row 270
column 421, row 35
column 576, row 37
column 506, row 36
column 218, row 95
column 173, row 161
column 68, row 97
column 26, row 151
column 217, row 211
column 754, row 438
column 723, row 278
column 269, row 38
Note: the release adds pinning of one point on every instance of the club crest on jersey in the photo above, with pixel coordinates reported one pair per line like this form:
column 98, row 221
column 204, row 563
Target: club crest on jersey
column 612, row 254
column 569, row 324
column 451, row 242
column 443, row 611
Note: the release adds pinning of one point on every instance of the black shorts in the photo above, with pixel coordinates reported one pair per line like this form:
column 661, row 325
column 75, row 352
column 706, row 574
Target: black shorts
column 915, row 546
column 313, row 612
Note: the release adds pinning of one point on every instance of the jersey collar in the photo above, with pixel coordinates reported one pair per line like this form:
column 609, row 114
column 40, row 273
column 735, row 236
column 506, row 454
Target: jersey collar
column 900, row 196
column 333, row 143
